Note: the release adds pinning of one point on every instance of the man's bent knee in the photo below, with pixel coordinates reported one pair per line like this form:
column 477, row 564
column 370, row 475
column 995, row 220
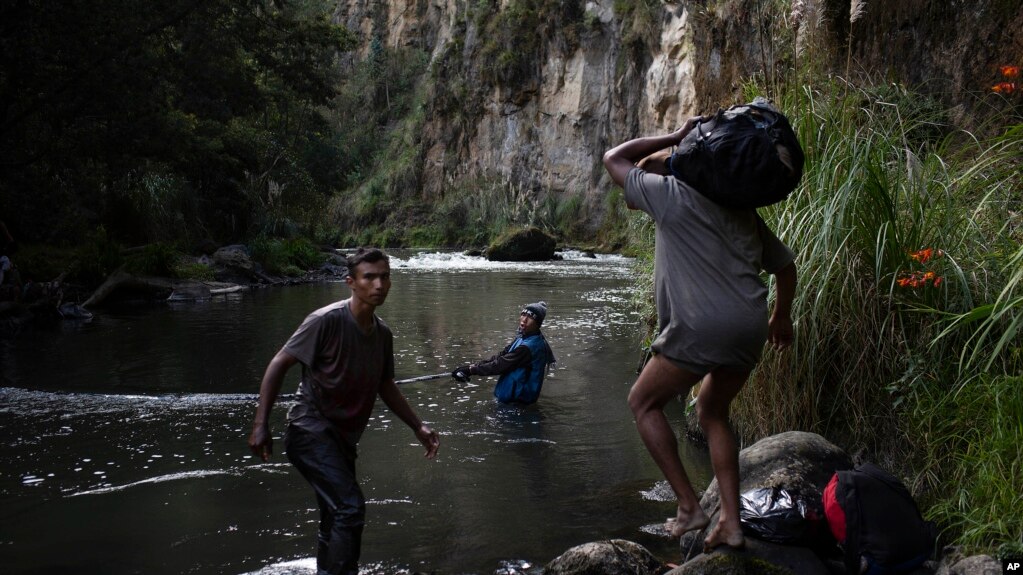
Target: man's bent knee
column 349, row 517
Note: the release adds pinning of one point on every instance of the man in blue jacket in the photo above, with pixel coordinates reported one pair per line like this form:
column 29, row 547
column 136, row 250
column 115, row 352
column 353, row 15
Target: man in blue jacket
column 522, row 365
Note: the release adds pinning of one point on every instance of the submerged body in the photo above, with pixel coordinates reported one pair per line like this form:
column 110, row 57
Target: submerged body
column 522, row 365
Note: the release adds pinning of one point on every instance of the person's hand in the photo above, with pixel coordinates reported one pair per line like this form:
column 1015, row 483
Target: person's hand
column 779, row 331
column 687, row 127
column 430, row 440
column 261, row 443
column 461, row 374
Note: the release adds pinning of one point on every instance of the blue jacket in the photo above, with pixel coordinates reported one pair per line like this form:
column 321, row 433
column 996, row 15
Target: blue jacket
column 522, row 384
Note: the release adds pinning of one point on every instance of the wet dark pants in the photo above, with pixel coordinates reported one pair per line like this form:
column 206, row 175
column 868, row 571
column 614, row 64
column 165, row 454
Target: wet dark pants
column 331, row 473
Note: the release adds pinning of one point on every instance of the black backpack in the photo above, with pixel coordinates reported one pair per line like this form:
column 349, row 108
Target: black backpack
column 744, row 157
column 882, row 522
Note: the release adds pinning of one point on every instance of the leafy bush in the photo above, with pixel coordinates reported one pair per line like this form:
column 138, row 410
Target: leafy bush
column 290, row 257
column 96, row 259
column 157, row 259
column 194, row 271
column 909, row 287
column 974, row 444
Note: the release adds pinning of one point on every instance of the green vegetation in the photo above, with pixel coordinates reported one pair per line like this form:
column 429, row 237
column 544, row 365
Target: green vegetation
column 176, row 122
column 287, row 257
column 516, row 33
column 909, row 306
column 230, row 121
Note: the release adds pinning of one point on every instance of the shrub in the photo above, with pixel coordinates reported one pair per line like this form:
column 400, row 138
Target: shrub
column 157, row 259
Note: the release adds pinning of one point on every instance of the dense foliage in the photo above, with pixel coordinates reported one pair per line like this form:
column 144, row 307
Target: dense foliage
column 909, row 308
column 169, row 121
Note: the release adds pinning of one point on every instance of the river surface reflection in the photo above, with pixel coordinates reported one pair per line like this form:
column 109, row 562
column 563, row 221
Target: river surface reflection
column 123, row 439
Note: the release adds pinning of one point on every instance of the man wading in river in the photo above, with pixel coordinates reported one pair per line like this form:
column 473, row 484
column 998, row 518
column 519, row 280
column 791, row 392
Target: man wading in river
column 522, row 365
column 347, row 359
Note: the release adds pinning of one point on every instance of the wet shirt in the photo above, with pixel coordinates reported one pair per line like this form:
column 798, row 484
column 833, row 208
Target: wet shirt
column 342, row 369
column 711, row 300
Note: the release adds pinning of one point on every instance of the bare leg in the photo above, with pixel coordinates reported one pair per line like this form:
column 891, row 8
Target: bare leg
column 712, row 404
column 659, row 383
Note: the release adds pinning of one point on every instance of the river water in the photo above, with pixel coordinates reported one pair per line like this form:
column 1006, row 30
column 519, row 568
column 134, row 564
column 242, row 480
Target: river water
column 123, row 438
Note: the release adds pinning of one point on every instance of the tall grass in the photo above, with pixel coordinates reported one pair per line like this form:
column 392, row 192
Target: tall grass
column 902, row 351
column 973, row 481
column 476, row 210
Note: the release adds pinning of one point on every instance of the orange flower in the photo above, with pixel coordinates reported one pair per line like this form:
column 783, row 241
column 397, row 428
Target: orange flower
column 1010, row 71
column 1004, row 87
column 918, row 279
column 924, row 255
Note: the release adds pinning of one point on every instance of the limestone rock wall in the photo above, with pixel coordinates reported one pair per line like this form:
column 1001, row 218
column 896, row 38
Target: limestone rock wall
column 547, row 133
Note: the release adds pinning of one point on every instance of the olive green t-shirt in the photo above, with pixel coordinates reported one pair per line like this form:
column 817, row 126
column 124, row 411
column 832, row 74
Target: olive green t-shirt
column 711, row 300
column 342, row 369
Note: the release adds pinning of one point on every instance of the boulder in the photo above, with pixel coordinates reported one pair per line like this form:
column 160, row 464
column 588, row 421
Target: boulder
column 759, row 557
column 612, row 557
column 526, row 245
column 799, row 462
column 234, row 264
column 954, row 563
column 729, row 562
column 71, row 310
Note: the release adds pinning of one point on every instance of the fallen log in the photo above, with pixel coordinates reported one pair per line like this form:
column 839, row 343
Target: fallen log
column 121, row 279
column 159, row 288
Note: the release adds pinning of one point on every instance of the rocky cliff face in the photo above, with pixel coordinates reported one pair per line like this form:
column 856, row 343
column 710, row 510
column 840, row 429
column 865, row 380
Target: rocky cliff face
column 540, row 110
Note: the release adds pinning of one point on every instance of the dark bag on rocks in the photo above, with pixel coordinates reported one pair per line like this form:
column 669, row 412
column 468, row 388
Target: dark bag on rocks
column 744, row 157
column 780, row 516
column 873, row 516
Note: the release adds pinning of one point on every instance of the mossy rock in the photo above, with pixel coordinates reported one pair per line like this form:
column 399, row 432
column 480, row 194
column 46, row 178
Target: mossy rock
column 612, row 557
column 523, row 245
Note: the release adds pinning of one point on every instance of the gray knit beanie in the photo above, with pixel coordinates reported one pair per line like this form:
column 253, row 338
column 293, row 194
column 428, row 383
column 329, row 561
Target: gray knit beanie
column 537, row 311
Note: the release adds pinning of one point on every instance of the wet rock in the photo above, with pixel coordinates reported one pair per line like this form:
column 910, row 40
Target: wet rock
column 729, row 562
column 74, row 311
column 234, row 264
column 758, row 557
column 799, row 462
column 612, row 557
column 527, row 245
column 954, row 563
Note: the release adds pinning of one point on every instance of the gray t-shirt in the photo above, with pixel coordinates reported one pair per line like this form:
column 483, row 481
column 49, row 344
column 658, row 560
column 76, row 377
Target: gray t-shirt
column 711, row 300
column 342, row 369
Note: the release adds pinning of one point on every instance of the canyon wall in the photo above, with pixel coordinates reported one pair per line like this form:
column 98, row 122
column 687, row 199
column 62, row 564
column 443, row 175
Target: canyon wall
column 584, row 77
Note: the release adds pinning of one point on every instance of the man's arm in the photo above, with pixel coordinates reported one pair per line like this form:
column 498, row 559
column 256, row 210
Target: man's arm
column 503, row 363
column 618, row 161
column 396, row 402
column 779, row 327
column 260, row 441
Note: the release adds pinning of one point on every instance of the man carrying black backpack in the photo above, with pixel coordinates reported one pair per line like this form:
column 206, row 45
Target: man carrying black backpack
column 713, row 321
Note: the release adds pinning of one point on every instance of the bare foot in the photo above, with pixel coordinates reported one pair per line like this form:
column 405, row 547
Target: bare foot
column 684, row 523
column 722, row 536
